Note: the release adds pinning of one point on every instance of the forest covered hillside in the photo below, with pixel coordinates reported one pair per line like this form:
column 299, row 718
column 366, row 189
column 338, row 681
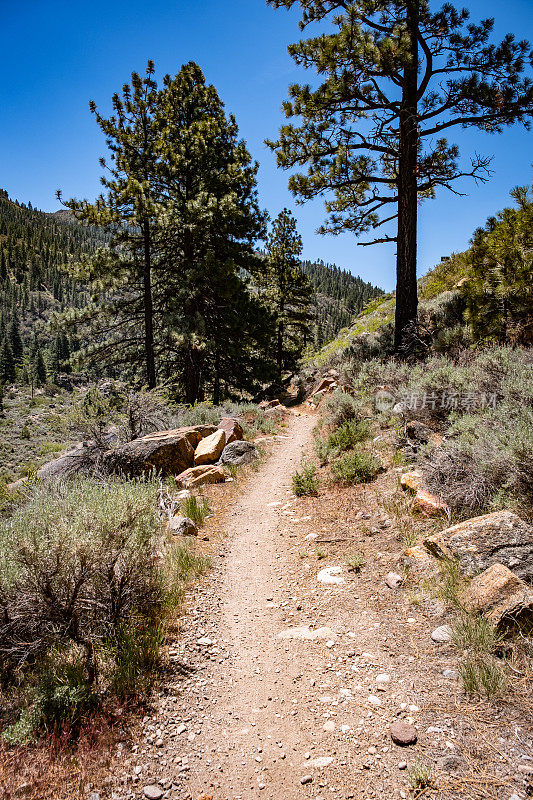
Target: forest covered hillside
column 36, row 247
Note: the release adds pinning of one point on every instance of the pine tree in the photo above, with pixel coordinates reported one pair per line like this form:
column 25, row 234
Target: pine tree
column 498, row 289
column 7, row 365
column 210, row 227
column 15, row 339
column 288, row 290
column 395, row 76
column 128, row 213
column 38, row 371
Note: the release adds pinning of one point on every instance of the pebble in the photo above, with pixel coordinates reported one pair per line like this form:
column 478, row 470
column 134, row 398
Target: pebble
column 402, row 765
column 393, row 580
column 306, row 779
column 329, row 726
column 403, row 734
column 451, row 673
column 383, row 678
column 373, row 700
column 442, row 634
column 330, row 575
column 153, row 792
column 321, row 761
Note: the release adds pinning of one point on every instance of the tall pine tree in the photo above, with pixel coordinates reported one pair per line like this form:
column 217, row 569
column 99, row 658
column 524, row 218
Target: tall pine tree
column 122, row 274
column 396, row 75
column 211, row 224
column 289, row 291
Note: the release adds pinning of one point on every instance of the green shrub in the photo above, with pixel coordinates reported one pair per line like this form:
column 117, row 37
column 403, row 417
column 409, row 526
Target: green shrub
column 482, row 676
column 25, row 432
column 348, row 435
column 305, row 482
column 486, row 462
column 321, row 450
column 84, row 598
column 475, row 633
column 136, row 654
column 341, row 407
column 356, row 467
column 195, row 508
column 420, row 776
column 355, row 562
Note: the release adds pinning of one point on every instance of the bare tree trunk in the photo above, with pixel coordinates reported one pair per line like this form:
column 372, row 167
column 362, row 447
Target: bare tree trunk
column 406, row 288
column 281, row 334
column 148, row 309
column 216, row 381
column 193, row 376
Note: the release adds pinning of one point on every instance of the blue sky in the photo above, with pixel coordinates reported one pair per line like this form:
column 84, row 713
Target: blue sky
column 61, row 54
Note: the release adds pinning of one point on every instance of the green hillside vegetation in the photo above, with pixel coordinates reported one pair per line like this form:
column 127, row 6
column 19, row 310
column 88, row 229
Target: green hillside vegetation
column 470, row 377
column 35, row 249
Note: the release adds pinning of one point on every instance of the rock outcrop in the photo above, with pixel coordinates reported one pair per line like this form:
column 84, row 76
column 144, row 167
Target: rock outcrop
column 197, row 476
column 182, row 526
column 232, row 428
column 500, row 596
column 501, row 537
column 238, row 453
column 169, row 452
column 209, row 449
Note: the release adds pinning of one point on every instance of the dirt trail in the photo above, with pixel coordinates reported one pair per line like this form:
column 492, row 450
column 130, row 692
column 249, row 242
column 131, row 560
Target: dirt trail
column 256, row 694
column 246, row 713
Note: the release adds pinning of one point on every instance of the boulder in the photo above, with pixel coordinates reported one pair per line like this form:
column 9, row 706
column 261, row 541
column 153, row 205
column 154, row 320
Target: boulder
column 501, row 596
column 209, row 449
column 239, row 453
column 182, row 526
column 197, row 476
column 231, row 428
column 427, row 504
column 169, row 452
column 79, row 460
column 501, row 537
column 326, row 384
column 411, row 480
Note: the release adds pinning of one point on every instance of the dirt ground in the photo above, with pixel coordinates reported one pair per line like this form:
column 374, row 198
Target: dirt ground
column 283, row 687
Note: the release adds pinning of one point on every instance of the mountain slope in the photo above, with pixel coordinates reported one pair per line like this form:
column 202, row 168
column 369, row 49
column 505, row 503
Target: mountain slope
column 35, row 247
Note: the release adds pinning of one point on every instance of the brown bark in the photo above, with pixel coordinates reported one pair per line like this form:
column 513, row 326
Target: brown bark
column 148, row 309
column 406, row 288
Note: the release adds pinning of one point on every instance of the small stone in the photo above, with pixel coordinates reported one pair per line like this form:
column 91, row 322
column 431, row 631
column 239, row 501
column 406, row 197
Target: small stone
column 452, row 674
column 153, row 792
column 383, row 678
column 442, row 634
column 306, row 779
column 373, row 700
column 329, row 726
column 321, row 761
column 393, row 580
column 402, row 765
column 182, row 526
column 403, row 734
column 330, row 575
